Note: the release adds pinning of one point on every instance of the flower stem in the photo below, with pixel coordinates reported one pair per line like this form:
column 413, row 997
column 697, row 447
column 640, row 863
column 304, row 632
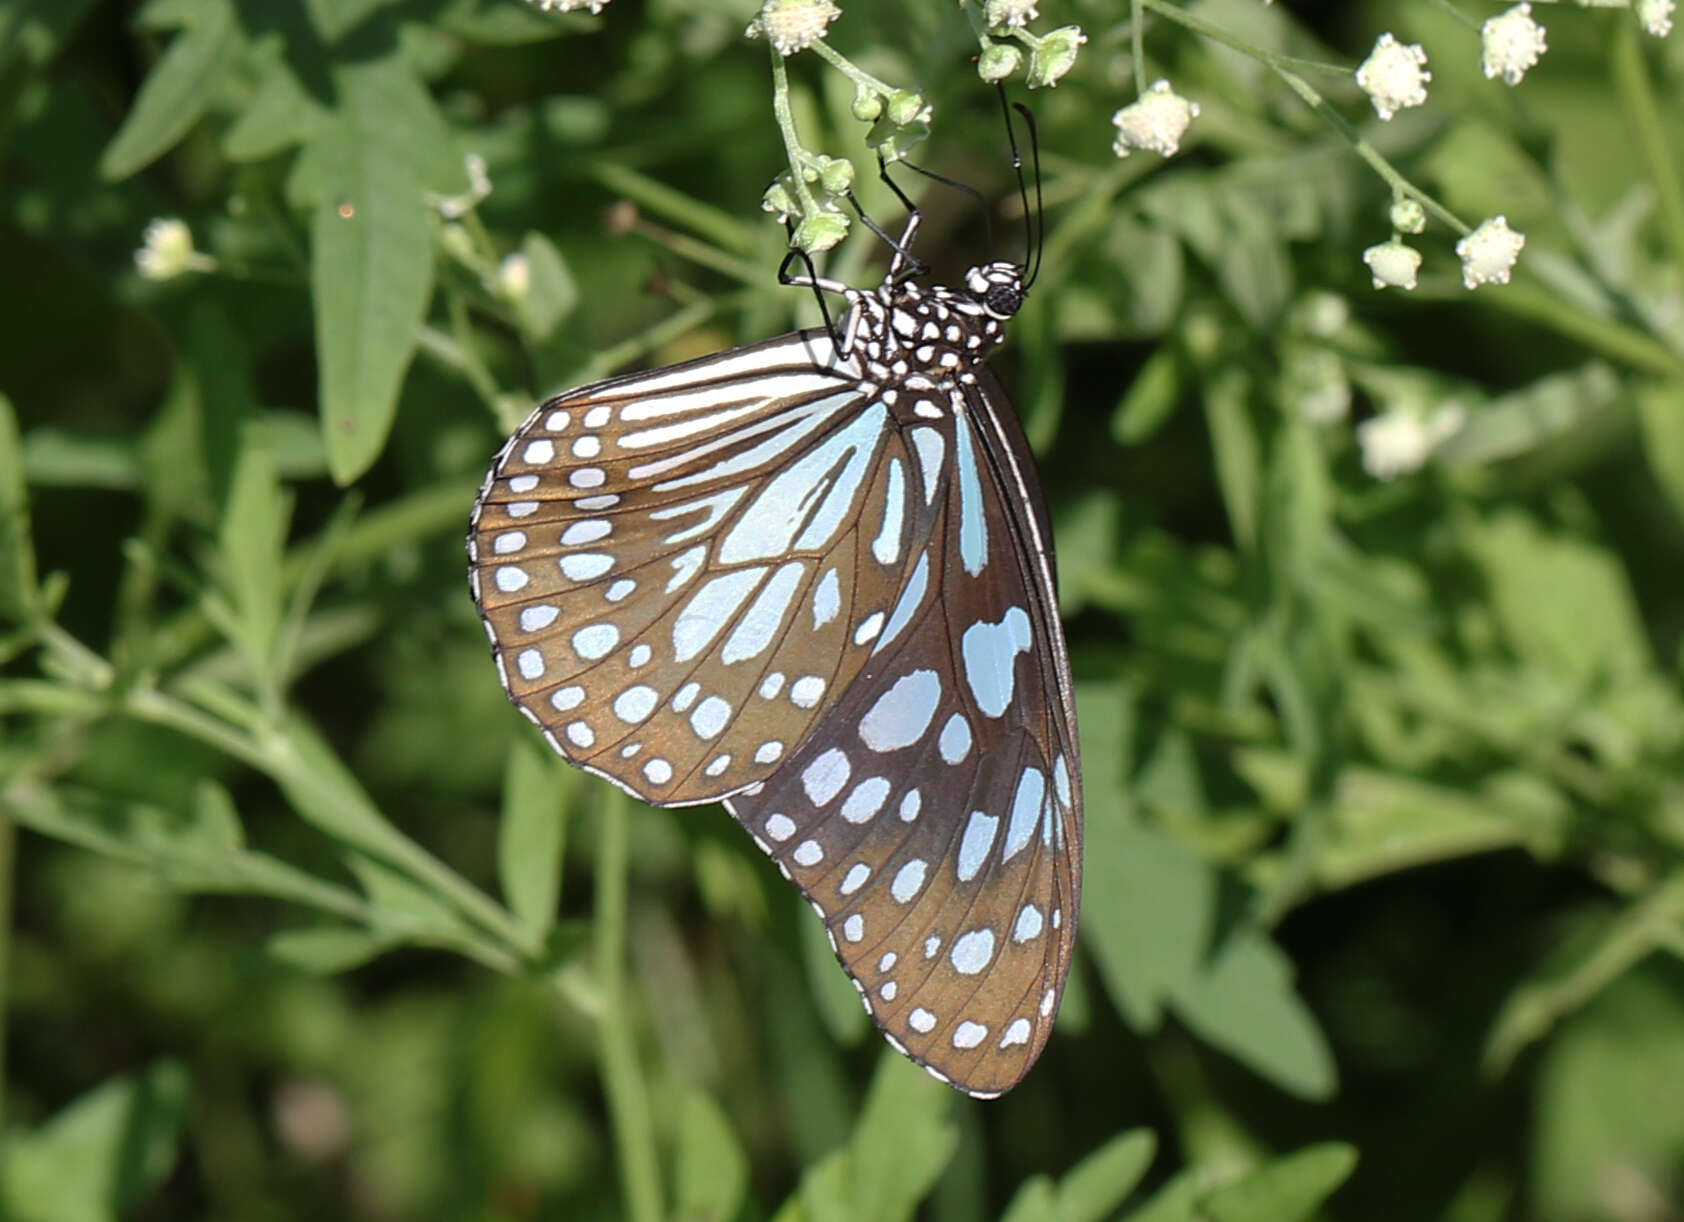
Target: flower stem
column 1631, row 80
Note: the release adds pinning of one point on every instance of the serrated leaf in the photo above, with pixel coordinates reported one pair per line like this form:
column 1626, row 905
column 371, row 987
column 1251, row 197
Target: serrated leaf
column 1285, row 1190
column 712, row 1168
column 327, row 950
column 1243, row 1002
column 552, row 295
column 177, row 91
column 537, row 789
column 100, row 1154
column 1096, row 1186
column 19, row 594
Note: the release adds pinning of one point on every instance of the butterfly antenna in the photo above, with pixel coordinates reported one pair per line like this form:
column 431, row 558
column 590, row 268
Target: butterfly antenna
column 1034, row 219
column 982, row 204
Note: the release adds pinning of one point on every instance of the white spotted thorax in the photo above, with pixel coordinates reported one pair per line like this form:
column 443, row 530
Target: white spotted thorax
column 812, row 579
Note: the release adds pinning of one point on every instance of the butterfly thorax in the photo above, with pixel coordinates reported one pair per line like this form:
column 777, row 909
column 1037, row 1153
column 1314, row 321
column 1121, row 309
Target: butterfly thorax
column 921, row 345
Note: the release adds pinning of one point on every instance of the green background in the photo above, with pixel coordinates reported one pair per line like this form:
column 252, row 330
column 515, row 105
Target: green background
column 1384, row 900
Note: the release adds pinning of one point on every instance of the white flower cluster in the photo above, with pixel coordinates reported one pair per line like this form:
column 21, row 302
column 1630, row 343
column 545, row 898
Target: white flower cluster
column 1488, row 254
column 1399, row 441
column 166, row 251
column 1156, row 122
column 1656, row 16
column 1511, row 43
column 1013, row 14
column 570, row 6
column 1394, row 76
column 793, row 25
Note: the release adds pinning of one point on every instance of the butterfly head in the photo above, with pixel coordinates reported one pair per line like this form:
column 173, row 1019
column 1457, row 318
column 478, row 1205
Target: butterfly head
column 998, row 287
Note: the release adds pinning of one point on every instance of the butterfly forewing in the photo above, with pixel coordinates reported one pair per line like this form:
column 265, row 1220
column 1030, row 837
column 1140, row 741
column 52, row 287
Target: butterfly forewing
column 679, row 570
column 934, row 818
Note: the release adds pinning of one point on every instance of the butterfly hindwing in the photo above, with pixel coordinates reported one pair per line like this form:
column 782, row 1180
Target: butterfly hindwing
column 933, row 819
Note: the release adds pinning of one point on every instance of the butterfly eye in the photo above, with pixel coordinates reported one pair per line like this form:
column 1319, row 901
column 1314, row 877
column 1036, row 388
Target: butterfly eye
column 747, row 579
column 1003, row 300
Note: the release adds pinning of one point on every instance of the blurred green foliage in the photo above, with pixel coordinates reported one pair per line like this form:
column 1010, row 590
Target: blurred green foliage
column 1384, row 896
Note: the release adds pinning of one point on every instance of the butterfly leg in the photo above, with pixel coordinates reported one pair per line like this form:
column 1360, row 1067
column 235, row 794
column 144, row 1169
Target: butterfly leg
column 820, row 286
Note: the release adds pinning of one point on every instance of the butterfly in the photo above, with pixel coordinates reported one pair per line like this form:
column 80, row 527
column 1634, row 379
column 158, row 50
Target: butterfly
column 812, row 578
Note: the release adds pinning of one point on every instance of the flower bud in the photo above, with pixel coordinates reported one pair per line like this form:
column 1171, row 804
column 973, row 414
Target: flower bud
column 998, row 61
column 1055, row 55
column 907, row 106
column 868, row 104
column 819, row 233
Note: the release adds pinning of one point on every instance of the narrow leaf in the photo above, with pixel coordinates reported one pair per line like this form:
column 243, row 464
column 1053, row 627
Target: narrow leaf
column 1095, row 1187
column 1660, row 407
column 903, row 1140
column 1234, row 444
column 100, row 1154
column 537, row 789
column 19, row 594
column 327, row 950
column 1285, row 1190
column 371, row 276
column 551, row 295
column 833, row 993
column 712, row 1168
column 1243, row 1002
column 177, row 91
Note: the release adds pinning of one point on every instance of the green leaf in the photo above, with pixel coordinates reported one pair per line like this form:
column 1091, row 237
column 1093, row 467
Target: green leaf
column 1148, row 907
column 833, row 993
column 371, row 278
column 1285, row 1190
column 1036, row 1200
column 19, row 593
column 712, row 1168
column 280, row 114
column 1606, row 1108
column 537, row 788
column 371, row 257
column 177, row 91
column 1234, row 444
column 327, row 950
column 1151, row 398
column 188, row 854
column 552, row 296
column 215, row 822
column 1095, row 1187
column 1660, row 408
column 1243, row 1002
column 1565, row 604
column 901, row 1142
column 1176, row 1201
column 101, row 1154
column 1554, row 408
column 252, row 543
column 34, row 30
